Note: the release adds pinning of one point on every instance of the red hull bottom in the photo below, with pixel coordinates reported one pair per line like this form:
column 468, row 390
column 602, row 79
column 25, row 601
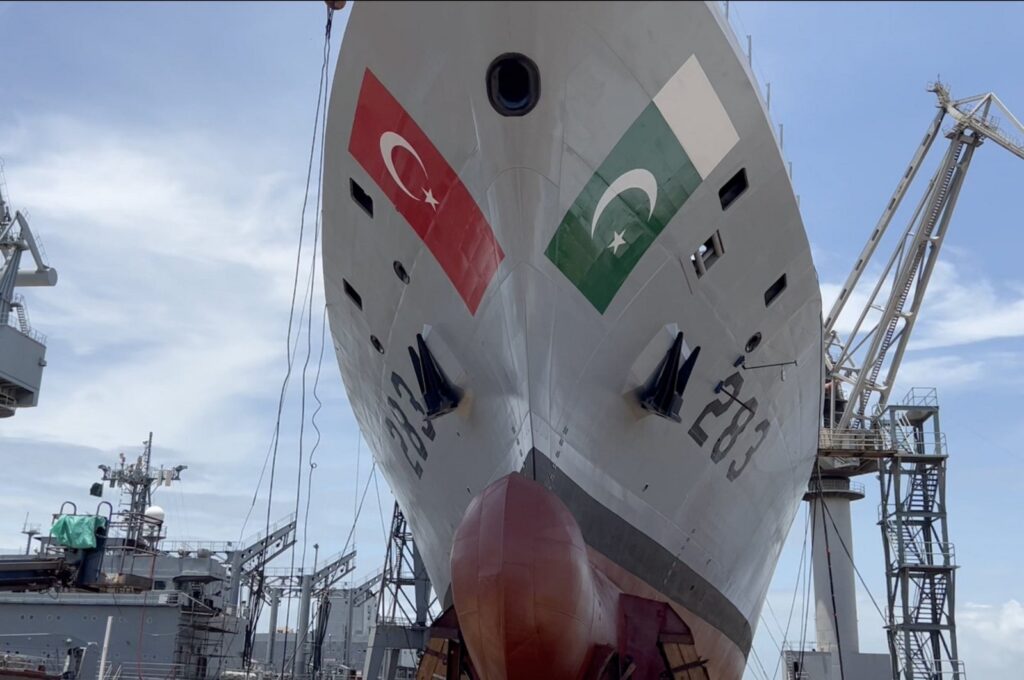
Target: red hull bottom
column 529, row 602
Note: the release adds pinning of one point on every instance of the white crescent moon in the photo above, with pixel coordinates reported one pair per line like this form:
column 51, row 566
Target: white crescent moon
column 637, row 178
column 388, row 141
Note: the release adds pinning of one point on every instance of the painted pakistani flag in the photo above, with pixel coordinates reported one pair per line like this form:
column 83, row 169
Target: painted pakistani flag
column 659, row 162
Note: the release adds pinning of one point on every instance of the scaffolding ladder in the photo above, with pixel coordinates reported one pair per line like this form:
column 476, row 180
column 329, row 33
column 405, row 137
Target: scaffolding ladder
column 920, row 561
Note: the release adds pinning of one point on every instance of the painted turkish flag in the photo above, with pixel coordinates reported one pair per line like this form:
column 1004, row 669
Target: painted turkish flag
column 427, row 192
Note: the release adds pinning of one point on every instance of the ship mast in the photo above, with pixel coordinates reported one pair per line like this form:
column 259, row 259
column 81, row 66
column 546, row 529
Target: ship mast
column 137, row 482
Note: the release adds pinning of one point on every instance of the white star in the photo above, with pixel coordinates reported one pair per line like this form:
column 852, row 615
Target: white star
column 429, row 198
column 617, row 241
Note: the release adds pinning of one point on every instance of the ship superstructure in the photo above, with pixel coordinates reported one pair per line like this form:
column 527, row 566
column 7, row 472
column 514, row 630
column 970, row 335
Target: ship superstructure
column 104, row 589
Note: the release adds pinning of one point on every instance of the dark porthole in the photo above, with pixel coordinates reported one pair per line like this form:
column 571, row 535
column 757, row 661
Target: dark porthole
column 733, row 189
column 753, row 342
column 376, row 344
column 352, row 294
column 400, row 272
column 513, row 84
column 774, row 290
column 362, row 199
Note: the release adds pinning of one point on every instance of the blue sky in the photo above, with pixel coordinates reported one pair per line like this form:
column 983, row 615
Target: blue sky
column 160, row 150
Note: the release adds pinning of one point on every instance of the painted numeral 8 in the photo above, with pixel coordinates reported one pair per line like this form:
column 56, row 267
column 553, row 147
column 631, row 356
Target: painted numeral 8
column 396, row 434
column 734, row 430
column 413, row 435
column 403, row 390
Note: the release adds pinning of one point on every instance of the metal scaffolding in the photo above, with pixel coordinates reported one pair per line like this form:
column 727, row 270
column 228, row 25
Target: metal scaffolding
column 403, row 617
column 920, row 561
column 308, row 588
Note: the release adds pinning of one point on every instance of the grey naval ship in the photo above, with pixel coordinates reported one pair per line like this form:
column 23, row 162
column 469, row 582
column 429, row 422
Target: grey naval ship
column 575, row 311
column 104, row 594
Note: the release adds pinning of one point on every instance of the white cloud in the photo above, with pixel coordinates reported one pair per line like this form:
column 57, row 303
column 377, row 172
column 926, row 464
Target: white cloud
column 990, row 637
column 943, row 372
column 961, row 307
column 176, row 255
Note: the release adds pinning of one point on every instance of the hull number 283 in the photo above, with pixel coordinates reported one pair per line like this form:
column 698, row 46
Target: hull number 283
column 404, row 432
column 745, row 413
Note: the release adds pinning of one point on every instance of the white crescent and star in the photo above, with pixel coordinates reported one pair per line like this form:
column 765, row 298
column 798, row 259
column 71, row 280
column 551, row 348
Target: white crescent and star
column 389, row 141
column 637, row 178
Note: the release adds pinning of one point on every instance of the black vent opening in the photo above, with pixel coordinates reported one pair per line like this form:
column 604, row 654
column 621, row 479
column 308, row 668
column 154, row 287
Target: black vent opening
column 376, row 344
column 733, row 189
column 774, row 290
column 513, row 84
column 400, row 272
column 361, row 198
column 352, row 294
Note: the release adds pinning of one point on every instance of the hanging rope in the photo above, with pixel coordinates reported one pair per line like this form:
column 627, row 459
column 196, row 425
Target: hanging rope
column 807, row 597
column 796, row 587
column 831, row 583
column 318, row 135
column 312, row 420
column 291, row 349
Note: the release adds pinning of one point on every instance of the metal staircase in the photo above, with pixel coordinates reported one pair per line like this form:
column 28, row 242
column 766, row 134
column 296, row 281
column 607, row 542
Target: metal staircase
column 922, row 240
column 404, row 607
column 920, row 561
column 22, row 314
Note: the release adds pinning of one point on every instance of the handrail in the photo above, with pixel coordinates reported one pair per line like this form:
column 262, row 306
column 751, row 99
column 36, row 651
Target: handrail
column 922, row 553
column 920, row 396
column 827, row 484
column 22, row 325
column 261, row 534
column 190, row 546
column 854, row 440
column 150, row 670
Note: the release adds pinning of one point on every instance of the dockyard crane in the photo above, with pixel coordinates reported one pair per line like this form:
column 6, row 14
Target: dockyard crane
column 22, row 348
column 868, row 358
column 864, row 433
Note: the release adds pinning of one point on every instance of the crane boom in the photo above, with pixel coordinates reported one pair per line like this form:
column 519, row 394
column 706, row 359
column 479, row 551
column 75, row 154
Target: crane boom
column 862, row 368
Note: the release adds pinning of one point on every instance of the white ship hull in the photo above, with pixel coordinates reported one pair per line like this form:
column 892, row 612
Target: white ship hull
column 549, row 379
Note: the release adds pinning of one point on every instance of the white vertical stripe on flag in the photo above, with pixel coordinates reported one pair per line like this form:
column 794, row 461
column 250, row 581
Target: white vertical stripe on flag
column 696, row 116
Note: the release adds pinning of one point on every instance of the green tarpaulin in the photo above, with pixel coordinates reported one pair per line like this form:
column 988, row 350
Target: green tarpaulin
column 77, row 531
